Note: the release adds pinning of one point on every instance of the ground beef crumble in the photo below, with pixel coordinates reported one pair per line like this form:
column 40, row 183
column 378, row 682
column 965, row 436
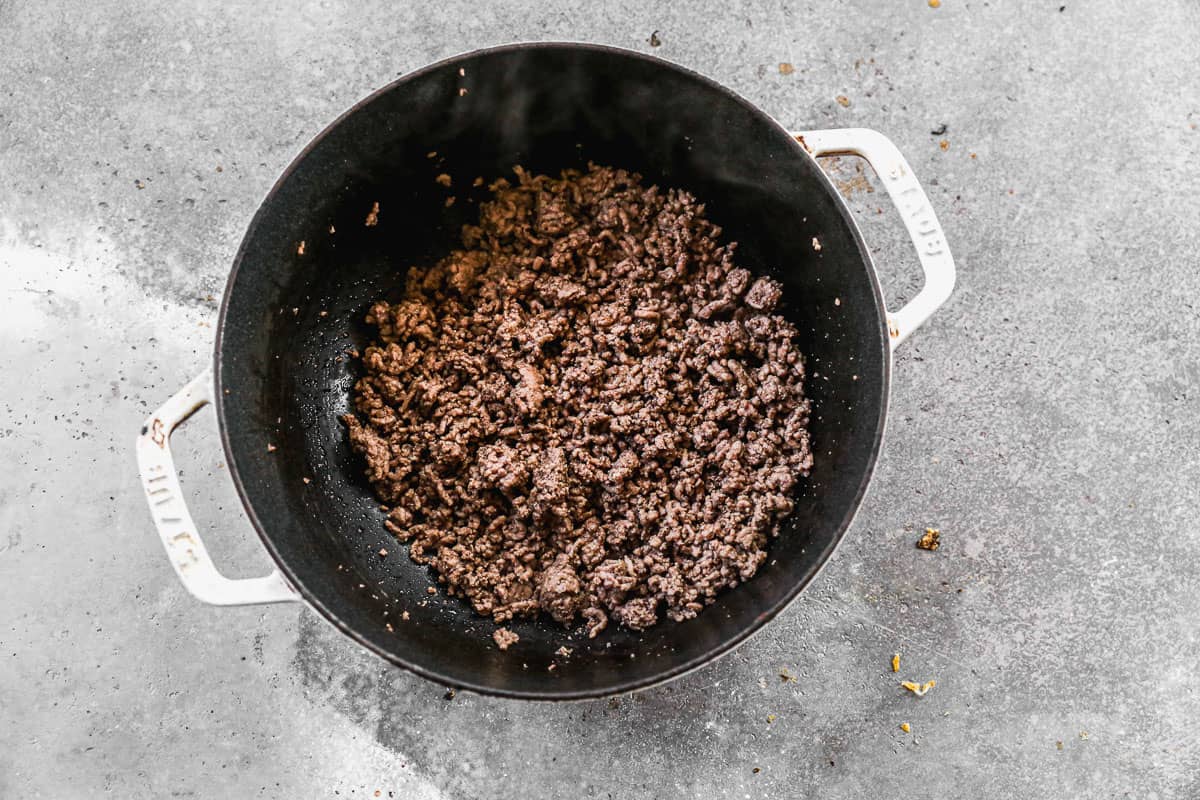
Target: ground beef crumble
column 588, row 410
column 504, row 638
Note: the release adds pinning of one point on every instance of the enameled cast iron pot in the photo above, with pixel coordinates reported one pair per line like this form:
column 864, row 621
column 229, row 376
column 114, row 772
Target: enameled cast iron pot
column 280, row 377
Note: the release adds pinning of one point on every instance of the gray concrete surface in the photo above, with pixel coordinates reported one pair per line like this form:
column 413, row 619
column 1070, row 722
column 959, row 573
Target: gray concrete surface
column 1047, row 420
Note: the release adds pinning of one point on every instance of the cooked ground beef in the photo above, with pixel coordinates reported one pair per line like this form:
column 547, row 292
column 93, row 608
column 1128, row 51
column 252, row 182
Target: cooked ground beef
column 589, row 410
column 504, row 638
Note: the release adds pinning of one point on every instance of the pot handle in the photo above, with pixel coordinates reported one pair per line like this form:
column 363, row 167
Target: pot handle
column 910, row 200
column 175, row 526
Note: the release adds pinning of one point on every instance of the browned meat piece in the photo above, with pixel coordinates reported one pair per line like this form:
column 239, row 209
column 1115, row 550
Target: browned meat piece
column 589, row 410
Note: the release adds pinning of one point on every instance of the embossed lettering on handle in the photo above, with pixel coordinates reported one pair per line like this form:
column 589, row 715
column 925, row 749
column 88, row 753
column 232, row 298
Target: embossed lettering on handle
column 176, row 528
column 916, row 212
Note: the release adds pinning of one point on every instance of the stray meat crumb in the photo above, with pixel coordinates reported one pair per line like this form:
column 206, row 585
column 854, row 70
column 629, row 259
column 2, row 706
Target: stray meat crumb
column 843, row 101
column 944, row 144
column 504, row 638
column 300, row 249
column 785, row 68
column 478, row 181
column 443, row 179
column 931, row 540
column 430, row 590
column 449, row 201
column 373, row 216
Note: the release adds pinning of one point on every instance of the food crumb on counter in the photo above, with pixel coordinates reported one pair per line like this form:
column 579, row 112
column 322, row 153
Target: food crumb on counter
column 449, row 201
column 430, row 590
column 373, row 216
column 307, row 480
column 787, row 677
column 431, row 154
column 564, row 651
column 931, row 540
column 904, row 726
column 271, row 448
column 771, row 718
column 478, row 181
column 405, row 616
column 443, row 179
column 383, row 552
column 944, row 144
column 919, row 689
column 300, row 249
column 816, row 244
column 896, row 663
column 332, row 229
column 505, row 638
column 786, row 68
column 462, row 91
column 843, row 101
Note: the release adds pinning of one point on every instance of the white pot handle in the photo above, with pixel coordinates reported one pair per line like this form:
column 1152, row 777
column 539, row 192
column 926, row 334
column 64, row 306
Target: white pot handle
column 910, row 200
column 175, row 526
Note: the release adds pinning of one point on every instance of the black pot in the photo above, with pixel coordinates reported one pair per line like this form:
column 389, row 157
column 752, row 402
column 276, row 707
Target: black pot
column 287, row 320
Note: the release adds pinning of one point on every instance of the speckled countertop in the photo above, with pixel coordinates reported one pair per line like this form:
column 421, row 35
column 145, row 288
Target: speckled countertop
column 1047, row 420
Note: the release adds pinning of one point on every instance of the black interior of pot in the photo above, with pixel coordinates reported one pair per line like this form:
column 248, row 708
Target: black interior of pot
column 289, row 320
